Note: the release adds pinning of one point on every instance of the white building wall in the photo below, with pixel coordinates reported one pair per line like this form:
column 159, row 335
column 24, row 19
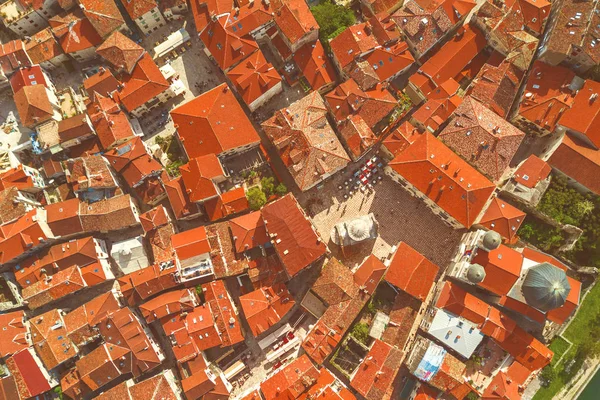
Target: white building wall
column 150, row 21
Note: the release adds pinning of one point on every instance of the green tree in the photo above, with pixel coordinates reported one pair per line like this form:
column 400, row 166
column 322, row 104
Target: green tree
column 360, row 331
column 268, row 185
column 547, row 375
column 332, row 19
column 472, row 396
column 280, row 190
column 256, row 198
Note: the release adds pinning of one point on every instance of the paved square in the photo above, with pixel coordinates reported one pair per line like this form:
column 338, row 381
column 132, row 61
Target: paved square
column 401, row 217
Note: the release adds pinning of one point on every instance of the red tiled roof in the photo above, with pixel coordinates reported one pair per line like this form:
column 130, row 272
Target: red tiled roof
column 482, row 137
column 154, row 218
column 389, row 61
column 305, row 141
column 74, row 32
column 63, row 217
column 103, row 14
column 28, row 76
column 228, row 203
column 579, row 162
column 63, row 283
column 352, row 42
column 254, row 77
column 295, row 20
column 80, row 322
column 452, row 57
column 50, row 340
column 547, row 95
column 190, row 243
column 372, row 105
column 435, row 112
column 369, row 273
column 226, row 47
column 166, row 304
column 137, row 8
column 502, row 268
column 13, row 337
column 411, row 272
column 199, row 177
column 224, row 313
column 532, row 171
column 248, row 231
column 29, row 380
column 400, row 138
column 297, row 244
column 454, row 299
column 441, row 15
column 33, row 105
column 321, row 341
column 140, row 169
column 13, row 56
column 16, row 177
column 315, row 65
column 584, row 115
column 203, row 10
column 288, row 382
column 503, row 218
column 120, row 156
column 19, row 236
column 141, row 284
column 102, row 82
column 110, row 122
column 143, row 84
column 81, row 252
column 526, row 349
column 376, row 374
column 357, row 135
column 502, row 387
column 496, row 87
column 265, row 307
column 179, row 199
column 446, row 179
column 120, row 51
column 213, row 122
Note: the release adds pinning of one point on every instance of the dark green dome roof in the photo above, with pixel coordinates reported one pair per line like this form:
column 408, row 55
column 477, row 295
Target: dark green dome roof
column 545, row 287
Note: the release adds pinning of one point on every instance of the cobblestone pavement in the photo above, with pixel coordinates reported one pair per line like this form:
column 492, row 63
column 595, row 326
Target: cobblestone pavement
column 401, row 217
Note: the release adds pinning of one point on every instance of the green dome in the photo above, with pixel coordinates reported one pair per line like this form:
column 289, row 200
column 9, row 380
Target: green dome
column 491, row 240
column 475, row 273
column 545, row 287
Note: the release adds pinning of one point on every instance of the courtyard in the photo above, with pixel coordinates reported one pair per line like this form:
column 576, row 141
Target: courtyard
column 401, row 218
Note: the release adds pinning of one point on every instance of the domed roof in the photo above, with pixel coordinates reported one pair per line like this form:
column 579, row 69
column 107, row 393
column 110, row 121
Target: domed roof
column 359, row 229
column 491, row 240
column 475, row 273
column 545, row 287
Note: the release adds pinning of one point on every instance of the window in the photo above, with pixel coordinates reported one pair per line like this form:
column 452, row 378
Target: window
column 219, row 46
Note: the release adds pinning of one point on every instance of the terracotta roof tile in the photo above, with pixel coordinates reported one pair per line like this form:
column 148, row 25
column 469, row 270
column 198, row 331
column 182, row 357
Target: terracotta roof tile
column 62, row 283
column 179, row 200
column 503, row 218
column 457, row 187
column 137, row 8
column 226, row 204
column 315, row 65
column 102, row 82
column 298, row 245
column 154, row 218
column 265, row 307
column 50, row 340
column 335, row 284
column 305, row 141
column 74, row 32
column 80, row 322
column 227, row 48
column 29, row 379
column 254, row 77
column 496, row 86
column 370, row 273
column 459, row 302
column 248, row 231
column 13, row 337
column 375, row 375
column 411, row 272
column 578, row 161
column 400, row 138
column 295, row 20
column 33, row 105
column 166, row 304
column 352, row 42
column 213, row 122
column 547, row 95
column 191, row 243
column 108, row 215
column 143, row 84
column 146, row 282
column 482, row 137
column 584, row 115
column 224, row 313
column 103, row 14
column 293, row 379
column 502, row 268
column 110, row 122
column 532, row 171
column 120, row 51
column 10, row 207
column 200, row 176
column 13, row 56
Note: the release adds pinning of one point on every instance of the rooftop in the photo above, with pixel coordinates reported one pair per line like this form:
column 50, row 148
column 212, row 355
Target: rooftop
column 503, row 218
column 578, row 161
column 254, row 77
column 305, row 141
column 411, row 272
column 444, row 177
column 584, row 115
column 143, row 84
column 213, row 122
column 120, row 51
column 264, row 308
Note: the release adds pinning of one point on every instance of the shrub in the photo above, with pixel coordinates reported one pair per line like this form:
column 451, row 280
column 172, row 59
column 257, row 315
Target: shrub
column 360, row 331
column 547, row 375
column 280, row 190
column 256, row 198
column 332, row 20
column 268, row 185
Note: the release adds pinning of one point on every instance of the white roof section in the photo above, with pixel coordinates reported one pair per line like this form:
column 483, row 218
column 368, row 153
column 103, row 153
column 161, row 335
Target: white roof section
column 455, row 333
column 130, row 254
